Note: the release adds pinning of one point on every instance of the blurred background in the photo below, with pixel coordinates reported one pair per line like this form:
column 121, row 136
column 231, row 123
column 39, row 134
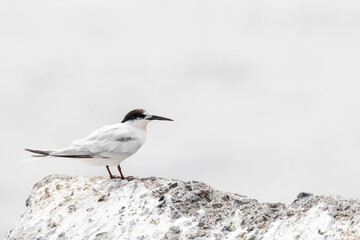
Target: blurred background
column 265, row 94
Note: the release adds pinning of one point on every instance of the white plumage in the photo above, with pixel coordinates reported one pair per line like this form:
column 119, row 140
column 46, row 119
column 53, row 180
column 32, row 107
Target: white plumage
column 116, row 142
column 111, row 144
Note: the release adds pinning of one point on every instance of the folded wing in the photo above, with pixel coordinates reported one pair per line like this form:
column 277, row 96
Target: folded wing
column 108, row 142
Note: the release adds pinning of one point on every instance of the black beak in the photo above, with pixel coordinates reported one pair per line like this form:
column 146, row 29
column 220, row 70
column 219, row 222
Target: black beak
column 154, row 117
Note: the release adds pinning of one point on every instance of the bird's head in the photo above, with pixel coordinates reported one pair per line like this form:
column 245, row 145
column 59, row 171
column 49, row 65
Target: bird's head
column 141, row 118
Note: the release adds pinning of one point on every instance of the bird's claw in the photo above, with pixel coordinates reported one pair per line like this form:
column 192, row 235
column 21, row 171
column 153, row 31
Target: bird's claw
column 113, row 177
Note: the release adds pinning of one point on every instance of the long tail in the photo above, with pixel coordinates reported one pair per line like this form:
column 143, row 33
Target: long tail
column 40, row 152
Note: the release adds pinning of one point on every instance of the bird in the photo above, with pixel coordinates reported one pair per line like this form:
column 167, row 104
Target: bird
column 109, row 145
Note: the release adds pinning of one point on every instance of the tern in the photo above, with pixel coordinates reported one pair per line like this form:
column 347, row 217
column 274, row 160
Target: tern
column 109, row 145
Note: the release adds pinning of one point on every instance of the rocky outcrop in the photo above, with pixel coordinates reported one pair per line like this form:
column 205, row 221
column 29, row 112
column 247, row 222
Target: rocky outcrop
column 65, row 207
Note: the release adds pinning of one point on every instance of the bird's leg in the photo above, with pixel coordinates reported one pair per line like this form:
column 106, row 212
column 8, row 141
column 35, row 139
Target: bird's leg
column 111, row 176
column 119, row 168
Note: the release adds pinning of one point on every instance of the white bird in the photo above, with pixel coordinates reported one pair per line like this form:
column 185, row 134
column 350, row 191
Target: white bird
column 109, row 145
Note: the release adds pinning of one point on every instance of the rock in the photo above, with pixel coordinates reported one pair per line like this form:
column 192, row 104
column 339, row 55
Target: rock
column 303, row 195
column 65, row 207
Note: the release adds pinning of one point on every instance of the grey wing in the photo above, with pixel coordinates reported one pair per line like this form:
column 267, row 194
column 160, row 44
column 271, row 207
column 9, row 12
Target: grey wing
column 107, row 142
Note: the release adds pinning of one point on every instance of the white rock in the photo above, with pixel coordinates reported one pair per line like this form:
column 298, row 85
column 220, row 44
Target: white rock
column 65, row 207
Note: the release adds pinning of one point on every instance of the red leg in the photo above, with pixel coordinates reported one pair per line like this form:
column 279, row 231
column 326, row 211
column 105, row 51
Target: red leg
column 111, row 176
column 119, row 168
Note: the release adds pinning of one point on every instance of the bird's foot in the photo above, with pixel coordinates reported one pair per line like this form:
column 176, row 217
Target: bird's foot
column 112, row 176
column 121, row 177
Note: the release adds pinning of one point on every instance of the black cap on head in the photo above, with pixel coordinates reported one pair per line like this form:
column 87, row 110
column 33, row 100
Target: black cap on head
column 134, row 114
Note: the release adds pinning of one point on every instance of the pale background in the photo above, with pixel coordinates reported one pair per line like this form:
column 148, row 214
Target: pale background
column 265, row 94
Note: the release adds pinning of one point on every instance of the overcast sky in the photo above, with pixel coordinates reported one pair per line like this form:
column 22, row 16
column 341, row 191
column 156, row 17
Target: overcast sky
column 264, row 94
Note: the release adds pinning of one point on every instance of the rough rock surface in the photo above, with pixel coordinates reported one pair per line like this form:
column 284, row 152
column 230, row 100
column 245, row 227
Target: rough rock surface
column 65, row 207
